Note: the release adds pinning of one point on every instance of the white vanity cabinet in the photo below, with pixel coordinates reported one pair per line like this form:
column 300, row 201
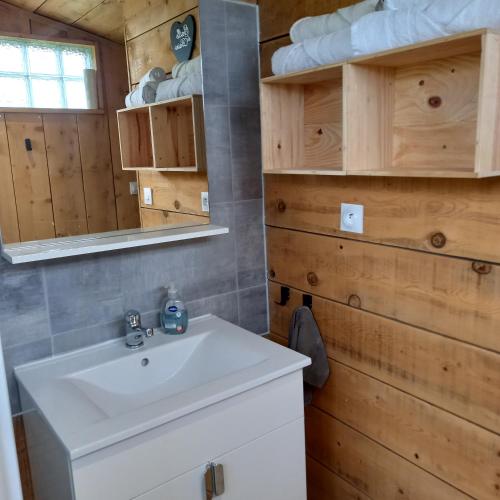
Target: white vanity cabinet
column 257, row 437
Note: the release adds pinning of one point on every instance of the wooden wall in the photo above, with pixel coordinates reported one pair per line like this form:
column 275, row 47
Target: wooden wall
column 176, row 196
column 412, row 406
column 101, row 154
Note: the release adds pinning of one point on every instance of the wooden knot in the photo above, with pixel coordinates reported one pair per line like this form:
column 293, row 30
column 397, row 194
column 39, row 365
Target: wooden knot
column 481, row 267
column 354, row 301
column 280, row 205
column 438, row 240
column 435, row 101
column 272, row 274
column 320, row 131
column 279, row 146
column 312, row 279
column 177, row 204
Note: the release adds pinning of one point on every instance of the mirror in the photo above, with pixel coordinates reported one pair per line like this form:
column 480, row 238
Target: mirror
column 86, row 154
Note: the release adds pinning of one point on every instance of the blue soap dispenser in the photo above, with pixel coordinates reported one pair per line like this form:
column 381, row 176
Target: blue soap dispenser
column 174, row 316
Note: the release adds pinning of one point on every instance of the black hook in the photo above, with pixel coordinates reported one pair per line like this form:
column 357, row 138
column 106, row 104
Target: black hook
column 307, row 301
column 285, row 296
column 28, row 145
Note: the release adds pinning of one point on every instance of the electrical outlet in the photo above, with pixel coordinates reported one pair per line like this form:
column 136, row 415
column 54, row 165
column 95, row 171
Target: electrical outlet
column 205, row 205
column 133, row 187
column 148, row 196
column 351, row 218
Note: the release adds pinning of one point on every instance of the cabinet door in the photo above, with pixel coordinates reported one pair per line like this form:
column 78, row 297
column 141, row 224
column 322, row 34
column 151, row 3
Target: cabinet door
column 271, row 467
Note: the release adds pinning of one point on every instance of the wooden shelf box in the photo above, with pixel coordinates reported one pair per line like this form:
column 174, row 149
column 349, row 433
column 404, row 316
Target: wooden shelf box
column 302, row 122
column 426, row 110
column 167, row 136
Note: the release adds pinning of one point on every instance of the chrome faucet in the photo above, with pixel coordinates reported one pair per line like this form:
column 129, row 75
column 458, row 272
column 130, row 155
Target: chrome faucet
column 134, row 332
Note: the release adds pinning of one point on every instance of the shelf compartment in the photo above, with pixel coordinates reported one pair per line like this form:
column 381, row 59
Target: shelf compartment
column 303, row 122
column 174, row 136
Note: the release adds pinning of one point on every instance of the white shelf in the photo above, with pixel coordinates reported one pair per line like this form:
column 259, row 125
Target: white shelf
column 34, row 251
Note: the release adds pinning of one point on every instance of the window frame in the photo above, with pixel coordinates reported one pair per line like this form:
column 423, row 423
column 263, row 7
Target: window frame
column 60, row 77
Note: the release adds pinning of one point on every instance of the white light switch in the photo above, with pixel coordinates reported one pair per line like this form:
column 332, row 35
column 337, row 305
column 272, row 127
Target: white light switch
column 351, row 218
column 205, row 205
column 148, row 196
column 133, row 187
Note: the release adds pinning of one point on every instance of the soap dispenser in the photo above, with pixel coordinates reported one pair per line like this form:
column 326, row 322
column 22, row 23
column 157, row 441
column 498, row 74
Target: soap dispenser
column 174, row 316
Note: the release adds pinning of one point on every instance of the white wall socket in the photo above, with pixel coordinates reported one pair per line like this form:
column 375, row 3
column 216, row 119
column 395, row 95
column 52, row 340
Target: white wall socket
column 133, row 187
column 205, row 204
column 351, row 218
column 148, row 196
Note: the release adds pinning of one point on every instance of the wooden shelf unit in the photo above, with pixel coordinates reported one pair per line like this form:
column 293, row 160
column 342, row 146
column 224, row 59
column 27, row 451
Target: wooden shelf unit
column 167, row 136
column 426, row 110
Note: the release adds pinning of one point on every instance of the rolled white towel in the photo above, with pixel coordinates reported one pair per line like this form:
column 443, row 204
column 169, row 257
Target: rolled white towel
column 466, row 15
column 179, row 87
column 143, row 94
column 185, row 67
column 389, row 29
column 312, row 27
column 290, row 59
column 406, row 4
column 155, row 74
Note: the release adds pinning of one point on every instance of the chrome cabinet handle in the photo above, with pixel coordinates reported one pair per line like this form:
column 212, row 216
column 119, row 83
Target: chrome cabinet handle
column 214, row 481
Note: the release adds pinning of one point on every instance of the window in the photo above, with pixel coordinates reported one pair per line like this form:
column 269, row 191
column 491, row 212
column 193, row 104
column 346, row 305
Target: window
column 42, row 74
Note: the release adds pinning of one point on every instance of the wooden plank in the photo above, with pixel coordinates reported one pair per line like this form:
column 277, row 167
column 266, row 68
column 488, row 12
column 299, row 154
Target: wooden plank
column 175, row 192
column 135, row 138
column 452, row 375
column 116, row 88
column 23, row 458
column 153, row 49
column 31, row 176
column 322, row 484
column 106, row 20
column 67, row 12
column 267, row 49
column 9, row 225
column 144, row 15
column 442, row 294
column 13, row 20
column 376, row 471
column 155, row 218
column 459, row 452
column 65, row 174
column 400, row 212
column 97, row 171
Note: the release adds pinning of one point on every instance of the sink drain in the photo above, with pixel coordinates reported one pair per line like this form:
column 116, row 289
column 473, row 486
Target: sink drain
column 145, row 362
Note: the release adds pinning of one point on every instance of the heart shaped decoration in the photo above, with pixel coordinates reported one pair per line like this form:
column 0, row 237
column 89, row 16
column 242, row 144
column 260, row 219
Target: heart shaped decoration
column 182, row 38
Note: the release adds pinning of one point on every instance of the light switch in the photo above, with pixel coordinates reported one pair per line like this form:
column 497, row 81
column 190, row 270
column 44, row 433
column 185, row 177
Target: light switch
column 148, row 196
column 133, row 187
column 205, row 205
column 351, row 218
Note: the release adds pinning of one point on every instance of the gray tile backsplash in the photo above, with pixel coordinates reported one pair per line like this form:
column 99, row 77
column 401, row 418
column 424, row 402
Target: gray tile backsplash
column 59, row 306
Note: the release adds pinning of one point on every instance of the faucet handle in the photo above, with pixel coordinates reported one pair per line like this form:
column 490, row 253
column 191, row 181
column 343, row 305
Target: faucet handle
column 133, row 319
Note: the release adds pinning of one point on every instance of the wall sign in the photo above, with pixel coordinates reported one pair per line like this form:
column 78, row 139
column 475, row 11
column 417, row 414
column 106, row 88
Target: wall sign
column 182, row 38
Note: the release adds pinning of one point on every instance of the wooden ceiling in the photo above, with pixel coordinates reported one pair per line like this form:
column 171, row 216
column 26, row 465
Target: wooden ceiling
column 101, row 17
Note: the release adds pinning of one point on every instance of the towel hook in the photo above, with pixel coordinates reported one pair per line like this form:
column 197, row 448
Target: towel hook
column 307, row 301
column 285, row 296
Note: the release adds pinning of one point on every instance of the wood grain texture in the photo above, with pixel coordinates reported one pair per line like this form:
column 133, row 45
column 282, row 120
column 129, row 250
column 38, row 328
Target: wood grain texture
column 155, row 218
column 65, row 174
column 423, row 434
column 371, row 468
column 452, row 375
column 66, row 12
column 31, row 176
column 441, row 294
column 400, row 212
column 175, row 192
column 8, row 210
column 267, row 49
column 153, row 48
column 23, row 458
column 97, row 173
column 106, row 19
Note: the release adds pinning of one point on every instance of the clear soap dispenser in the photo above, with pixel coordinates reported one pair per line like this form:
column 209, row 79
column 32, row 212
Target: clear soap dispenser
column 174, row 316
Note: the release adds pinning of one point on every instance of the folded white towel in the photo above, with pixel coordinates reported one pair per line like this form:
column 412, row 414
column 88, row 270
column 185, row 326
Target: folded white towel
column 393, row 28
column 179, row 87
column 405, row 4
column 312, row 27
column 466, row 15
column 185, row 67
column 155, row 74
column 143, row 94
column 291, row 58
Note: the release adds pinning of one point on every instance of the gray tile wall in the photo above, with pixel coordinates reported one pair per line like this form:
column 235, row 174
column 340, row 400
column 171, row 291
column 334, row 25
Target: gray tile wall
column 53, row 307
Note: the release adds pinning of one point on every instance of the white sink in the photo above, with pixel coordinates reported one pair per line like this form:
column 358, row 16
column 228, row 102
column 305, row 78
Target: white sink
column 98, row 396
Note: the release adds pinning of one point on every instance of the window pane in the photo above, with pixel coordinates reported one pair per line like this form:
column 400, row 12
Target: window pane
column 13, row 92
column 74, row 63
column 11, row 58
column 76, row 97
column 46, row 93
column 43, row 60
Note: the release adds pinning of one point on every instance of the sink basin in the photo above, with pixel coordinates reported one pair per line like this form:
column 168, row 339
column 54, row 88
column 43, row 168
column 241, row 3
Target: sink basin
column 98, row 396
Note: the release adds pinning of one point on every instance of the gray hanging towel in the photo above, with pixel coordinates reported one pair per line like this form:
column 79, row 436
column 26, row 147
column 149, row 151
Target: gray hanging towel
column 304, row 337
